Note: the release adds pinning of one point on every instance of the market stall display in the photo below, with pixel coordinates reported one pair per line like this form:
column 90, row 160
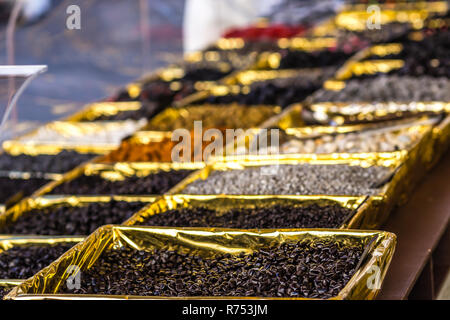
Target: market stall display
column 360, row 118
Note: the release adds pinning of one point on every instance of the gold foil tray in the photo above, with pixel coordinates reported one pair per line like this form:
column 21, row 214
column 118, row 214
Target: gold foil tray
column 381, row 50
column 423, row 124
column 369, row 67
column 343, row 113
column 144, row 137
column 207, row 243
column 95, row 110
column 28, row 204
column 212, row 116
column 118, row 171
column 357, row 20
column 272, row 60
column 420, row 151
column 66, row 129
column 223, row 203
column 10, row 241
column 441, row 140
column 19, row 195
column 247, row 77
column 429, row 6
column 177, row 71
column 297, row 43
column 292, row 121
column 392, row 160
column 8, row 285
column 407, row 167
column 223, row 54
column 16, row 148
column 307, row 43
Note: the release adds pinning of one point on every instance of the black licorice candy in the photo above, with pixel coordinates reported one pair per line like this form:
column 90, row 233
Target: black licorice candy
column 310, row 269
column 157, row 183
column 72, row 220
column 277, row 216
column 23, row 262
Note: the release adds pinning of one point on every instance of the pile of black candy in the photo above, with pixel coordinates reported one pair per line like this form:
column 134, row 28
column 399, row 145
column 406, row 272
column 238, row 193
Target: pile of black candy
column 318, row 269
column 277, row 216
column 24, row 262
column 156, row 183
column 14, row 189
column 59, row 163
column 72, row 220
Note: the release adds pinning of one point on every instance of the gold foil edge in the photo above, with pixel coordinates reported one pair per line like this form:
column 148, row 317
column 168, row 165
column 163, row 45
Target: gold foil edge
column 203, row 241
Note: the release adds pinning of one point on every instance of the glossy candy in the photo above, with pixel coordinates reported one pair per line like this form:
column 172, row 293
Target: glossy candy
column 156, row 183
column 278, row 216
column 24, row 262
column 72, row 220
column 300, row 269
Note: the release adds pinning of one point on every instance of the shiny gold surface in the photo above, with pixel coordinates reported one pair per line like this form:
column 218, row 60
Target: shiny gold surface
column 29, row 145
column 297, row 43
column 342, row 113
column 407, row 168
column 357, row 20
column 11, row 241
column 237, row 59
column 409, row 165
column 289, row 123
column 324, row 29
column 94, row 110
column 15, row 212
column 355, row 17
column 9, row 284
column 247, row 77
column 206, row 242
column 334, row 85
column 392, row 160
column 382, row 50
column 369, row 67
column 307, row 44
column 429, row 6
column 29, row 175
column 230, row 116
column 441, row 140
column 15, row 148
column 230, row 43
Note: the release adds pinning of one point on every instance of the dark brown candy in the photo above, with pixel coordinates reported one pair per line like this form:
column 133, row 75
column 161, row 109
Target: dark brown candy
column 278, row 216
column 46, row 163
column 269, row 93
column 72, row 220
column 294, row 59
column 24, row 262
column 18, row 188
column 318, row 269
column 157, row 183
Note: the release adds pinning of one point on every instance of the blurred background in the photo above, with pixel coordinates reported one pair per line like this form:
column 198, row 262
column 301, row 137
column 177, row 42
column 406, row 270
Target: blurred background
column 119, row 41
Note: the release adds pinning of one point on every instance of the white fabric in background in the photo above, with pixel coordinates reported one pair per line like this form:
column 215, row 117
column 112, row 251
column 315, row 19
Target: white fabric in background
column 33, row 9
column 206, row 20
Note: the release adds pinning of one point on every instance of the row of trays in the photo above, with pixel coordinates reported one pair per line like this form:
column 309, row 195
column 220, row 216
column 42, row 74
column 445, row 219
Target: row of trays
column 366, row 212
column 194, row 227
